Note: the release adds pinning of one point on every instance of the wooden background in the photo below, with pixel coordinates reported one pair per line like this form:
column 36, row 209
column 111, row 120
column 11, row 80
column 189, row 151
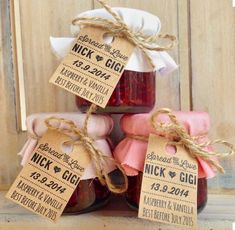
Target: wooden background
column 205, row 79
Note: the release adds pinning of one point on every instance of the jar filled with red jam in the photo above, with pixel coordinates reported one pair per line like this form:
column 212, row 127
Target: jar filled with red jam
column 135, row 93
column 90, row 194
column 130, row 152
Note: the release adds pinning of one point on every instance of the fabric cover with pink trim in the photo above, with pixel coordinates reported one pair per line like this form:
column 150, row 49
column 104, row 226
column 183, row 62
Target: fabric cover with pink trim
column 99, row 127
column 131, row 152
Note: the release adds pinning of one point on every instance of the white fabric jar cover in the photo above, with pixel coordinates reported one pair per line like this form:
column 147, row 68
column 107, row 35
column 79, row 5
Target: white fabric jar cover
column 137, row 20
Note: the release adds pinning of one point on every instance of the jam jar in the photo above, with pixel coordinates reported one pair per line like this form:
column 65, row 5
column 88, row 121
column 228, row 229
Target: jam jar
column 134, row 93
column 90, row 194
column 130, row 152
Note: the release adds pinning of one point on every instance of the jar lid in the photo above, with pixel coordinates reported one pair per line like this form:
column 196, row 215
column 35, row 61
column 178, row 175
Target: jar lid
column 137, row 20
column 131, row 152
column 196, row 123
column 99, row 126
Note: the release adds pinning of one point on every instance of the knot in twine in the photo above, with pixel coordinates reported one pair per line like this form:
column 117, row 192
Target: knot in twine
column 178, row 135
column 120, row 28
column 98, row 158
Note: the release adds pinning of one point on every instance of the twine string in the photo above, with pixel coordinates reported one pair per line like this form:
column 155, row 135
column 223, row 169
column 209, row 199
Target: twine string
column 91, row 109
column 178, row 135
column 120, row 28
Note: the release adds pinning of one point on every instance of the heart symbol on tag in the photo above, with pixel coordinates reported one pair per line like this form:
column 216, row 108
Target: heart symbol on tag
column 172, row 174
column 99, row 58
column 57, row 169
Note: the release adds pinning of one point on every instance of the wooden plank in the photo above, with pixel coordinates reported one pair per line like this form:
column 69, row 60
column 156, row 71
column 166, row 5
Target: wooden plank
column 213, row 72
column 218, row 215
column 10, row 140
column 18, row 63
column 184, row 55
column 39, row 21
column 166, row 10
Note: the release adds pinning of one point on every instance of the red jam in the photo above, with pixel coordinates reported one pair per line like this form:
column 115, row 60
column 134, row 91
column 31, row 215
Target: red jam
column 88, row 196
column 201, row 193
column 134, row 187
column 135, row 93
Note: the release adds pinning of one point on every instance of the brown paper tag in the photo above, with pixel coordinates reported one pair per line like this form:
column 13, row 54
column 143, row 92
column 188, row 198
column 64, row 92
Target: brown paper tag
column 93, row 68
column 169, row 185
column 50, row 176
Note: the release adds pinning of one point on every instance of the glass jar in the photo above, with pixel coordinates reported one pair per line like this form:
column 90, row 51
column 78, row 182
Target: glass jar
column 134, row 187
column 134, row 93
column 90, row 194
column 131, row 151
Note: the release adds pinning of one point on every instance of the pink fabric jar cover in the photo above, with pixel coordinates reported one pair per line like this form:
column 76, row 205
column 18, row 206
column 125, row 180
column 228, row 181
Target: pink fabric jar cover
column 99, row 127
column 131, row 152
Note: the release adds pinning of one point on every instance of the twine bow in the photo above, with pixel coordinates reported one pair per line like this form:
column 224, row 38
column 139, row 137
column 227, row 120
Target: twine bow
column 178, row 135
column 120, row 28
column 98, row 158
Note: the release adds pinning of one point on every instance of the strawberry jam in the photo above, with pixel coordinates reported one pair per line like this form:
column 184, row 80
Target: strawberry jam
column 135, row 93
